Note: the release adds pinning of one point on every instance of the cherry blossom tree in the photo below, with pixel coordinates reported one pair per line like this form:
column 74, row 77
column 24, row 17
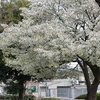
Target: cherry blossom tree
column 54, row 33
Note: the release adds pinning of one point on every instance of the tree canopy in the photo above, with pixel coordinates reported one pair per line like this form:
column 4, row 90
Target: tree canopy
column 53, row 33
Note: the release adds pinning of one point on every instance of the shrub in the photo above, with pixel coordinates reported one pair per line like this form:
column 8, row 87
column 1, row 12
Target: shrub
column 4, row 97
column 81, row 96
column 84, row 96
column 98, row 96
column 29, row 97
column 15, row 97
column 50, row 99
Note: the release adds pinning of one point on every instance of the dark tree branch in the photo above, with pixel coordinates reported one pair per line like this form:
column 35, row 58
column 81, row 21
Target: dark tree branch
column 85, row 72
column 98, row 2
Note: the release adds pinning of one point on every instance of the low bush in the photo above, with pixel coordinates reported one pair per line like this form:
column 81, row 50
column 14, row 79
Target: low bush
column 29, row 97
column 81, row 96
column 4, row 97
column 84, row 96
column 50, row 99
column 15, row 97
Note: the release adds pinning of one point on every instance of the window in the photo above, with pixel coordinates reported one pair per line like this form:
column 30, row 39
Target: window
column 63, row 91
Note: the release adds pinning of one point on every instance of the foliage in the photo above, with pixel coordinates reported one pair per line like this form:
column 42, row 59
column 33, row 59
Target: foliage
column 29, row 97
column 84, row 96
column 50, row 99
column 10, row 11
column 63, row 44
column 15, row 97
column 81, row 96
column 7, row 73
column 40, row 43
column 23, row 54
column 12, row 87
column 55, row 41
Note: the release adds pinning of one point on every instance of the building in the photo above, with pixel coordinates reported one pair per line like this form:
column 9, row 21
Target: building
column 32, row 88
column 61, row 88
column 58, row 88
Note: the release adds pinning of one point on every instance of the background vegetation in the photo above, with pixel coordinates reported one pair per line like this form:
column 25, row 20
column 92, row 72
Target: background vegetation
column 15, row 97
column 10, row 11
column 84, row 96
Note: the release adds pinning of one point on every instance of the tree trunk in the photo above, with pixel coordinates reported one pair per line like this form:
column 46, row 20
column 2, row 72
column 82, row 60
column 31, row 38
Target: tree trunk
column 91, row 88
column 85, row 72
column 91, row 95
column 21, row 90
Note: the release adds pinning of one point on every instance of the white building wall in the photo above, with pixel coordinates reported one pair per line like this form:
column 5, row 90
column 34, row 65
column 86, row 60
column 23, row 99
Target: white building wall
column 51, row 87
column 61, row 88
